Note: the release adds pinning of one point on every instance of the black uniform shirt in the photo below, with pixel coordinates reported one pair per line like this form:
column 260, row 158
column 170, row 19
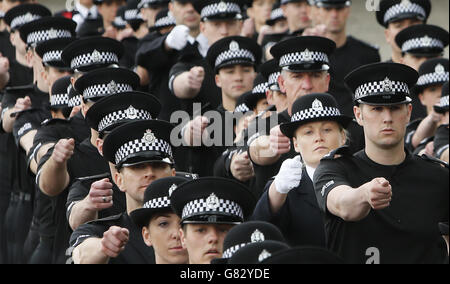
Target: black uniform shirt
column 135, row 252
column 441, row 140
column 404, row 232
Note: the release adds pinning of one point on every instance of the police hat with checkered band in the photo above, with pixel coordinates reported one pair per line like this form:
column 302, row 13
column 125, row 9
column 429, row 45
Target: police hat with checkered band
column 332, row 3
column 255, row 253
column 211, row 10
column 59, row 94
column 432, row 72
column 304, row 54
column 105, row 82
column 112, row 111
column 25, row 13
column 213, row 200
column 163, row 19
column 50, row 52
column 47, row 28
column 157, row 199
column 275, row 15
column 90, row 53
column 382, row 83
column 423, row 40
column 234, row 50
column 154, row 4
column 443, row 103
column 132, row 15
column 137, row 142
column 260, row 87
column 303, row 255
column 395, row 10
column 271, row 71
column 241, row 106
column 119, row 21
column 73, row 96
column 248, row 233
column 311, row 108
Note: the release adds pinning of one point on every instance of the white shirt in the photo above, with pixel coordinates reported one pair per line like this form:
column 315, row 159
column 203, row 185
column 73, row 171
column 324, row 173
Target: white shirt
column 83, row 13
column 203, row 44
column 310, row 171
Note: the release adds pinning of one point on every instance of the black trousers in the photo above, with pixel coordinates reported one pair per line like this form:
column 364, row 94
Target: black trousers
column 43, row 252
column 4, row 204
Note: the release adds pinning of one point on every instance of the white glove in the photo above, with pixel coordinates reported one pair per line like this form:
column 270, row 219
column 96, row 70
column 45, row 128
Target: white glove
column 289, row 176
column 178, row 37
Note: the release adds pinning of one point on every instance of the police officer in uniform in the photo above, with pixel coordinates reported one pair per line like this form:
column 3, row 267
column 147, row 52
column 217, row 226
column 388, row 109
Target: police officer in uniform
column 373, row 202
column 142, row 153
column 442, row 134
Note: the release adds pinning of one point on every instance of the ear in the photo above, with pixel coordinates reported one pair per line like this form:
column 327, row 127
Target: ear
column 29, row 58
column 84, row 108
column 358, row 115
column 99, row 144
column 422, row 98
column 174, row 172
column 183, row 238
column 328, row 79
column 281, row 83
column 409, row 108
column 218, row 82
column 202, row 27
column 146, row 236
column 269, row 97
column 118, row 180
column 296, row 146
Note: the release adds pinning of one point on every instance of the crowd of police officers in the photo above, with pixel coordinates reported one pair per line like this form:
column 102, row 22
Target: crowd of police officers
column 221, row 131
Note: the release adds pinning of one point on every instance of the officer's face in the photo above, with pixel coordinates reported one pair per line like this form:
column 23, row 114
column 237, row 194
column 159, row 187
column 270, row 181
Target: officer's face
column 335, row 19
column 384, row 126
column 260, row 11
column 316, row 139
column 109, row 10
column 261, row 106
column 278, row 99
column 52, row 74
column 235, row 80
column 280, row 26
column 17, row 42
column 163, row 235
column 134, row 180
column 297, row 15
column 298, row 84
column 395, row 27
column 204, row 242
column 430, row 97
column 149, row 15
column 216, row 30
column 185, row 14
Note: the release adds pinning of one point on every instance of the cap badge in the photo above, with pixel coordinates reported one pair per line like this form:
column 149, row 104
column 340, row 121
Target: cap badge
column 317, row 105
column 426, row 41
column 406, row 3
column 387, row 85
column 131, row 112
column 28, row 17
column 212, row 202
column 439, row 69
column 234, row 46
column 222, row 7
column 307, row 55
column 149, row 137
column 263, row 255
column 112, row 87
column 96, row 56
column 257, row 237
column 172, row 189
column 52, row 33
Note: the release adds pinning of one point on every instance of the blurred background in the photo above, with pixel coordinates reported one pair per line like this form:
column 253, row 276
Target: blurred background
column 362, row 23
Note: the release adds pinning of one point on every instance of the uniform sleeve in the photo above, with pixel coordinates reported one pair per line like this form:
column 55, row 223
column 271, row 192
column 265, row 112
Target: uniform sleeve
column 441, row 139
column 223, row 163
column 26, row 122
column 152, row 55
column 176, row 70
column 77, row 192
column 329, row 174
column 85, row 232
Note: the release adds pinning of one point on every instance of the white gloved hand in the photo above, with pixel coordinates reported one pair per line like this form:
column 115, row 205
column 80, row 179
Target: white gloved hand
column 289, row 176
column 178, row 37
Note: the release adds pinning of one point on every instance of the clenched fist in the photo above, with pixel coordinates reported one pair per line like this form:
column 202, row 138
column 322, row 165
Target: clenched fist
column 63, row 150
column 279, row 143
column 22, row 104
column 241, row 167
column 114, row 241
column 178, row 37
column 379, row 193
column 195, row 131
column 100, row 195
column 289, row 176
column 195, row 78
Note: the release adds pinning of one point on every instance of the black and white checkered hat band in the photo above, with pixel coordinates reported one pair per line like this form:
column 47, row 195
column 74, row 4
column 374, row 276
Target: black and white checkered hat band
column 53, row 55
column 142, row 145
column 273, row 78
column 200, row 206
column 261, row 88
column 422, row 42
column 160, row 202
column 402, row 8
column 40, row 36
column 233, row 54
column 22, row 20
column 59, row 99
column 220, row 8
column 374, row 88
column 303, row 57
column 105, row 89
column 120, row 22
column 95, row 57
column 312, row 113
column 432, row 78
column 165, row 21
column 444, row 102
column 232, row 250
column 75, row 101
column 241, row 108
column 276, row 14
column 144, row 3
column 120, row 115
column 130, row 15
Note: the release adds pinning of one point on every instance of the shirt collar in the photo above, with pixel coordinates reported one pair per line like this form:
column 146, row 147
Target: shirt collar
column 84, row 11
column 310, row 171
column 203, row 44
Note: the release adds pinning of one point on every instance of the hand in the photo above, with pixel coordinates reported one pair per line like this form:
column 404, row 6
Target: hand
column 4, row 64
column 319, row 30
column 125, row 33
column 100, row 195
column 289, row 176
column 241, row 167
column 196, row 130
column 75, row 110
column 23, row 104
column 279, row 144
column 435, row 117
column 429, row 149
column 178, row 37
column 379, row 193
column 63, row 150
column 248, row 28
column 195, row 78
column 114, row 241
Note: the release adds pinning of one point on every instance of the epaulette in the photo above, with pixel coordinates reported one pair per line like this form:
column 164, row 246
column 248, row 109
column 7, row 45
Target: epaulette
column 433, row 160
column 190, row 176
column 96, row 177
column 366, row 44
column 51, row 121
column 337, row 153
column 106, row 219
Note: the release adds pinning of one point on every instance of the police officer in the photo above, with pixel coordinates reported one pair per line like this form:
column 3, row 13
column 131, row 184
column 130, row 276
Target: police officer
column 442, row 134
column 208, row 208
column 150, row 9
column 373, row 201
column 142, row 153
